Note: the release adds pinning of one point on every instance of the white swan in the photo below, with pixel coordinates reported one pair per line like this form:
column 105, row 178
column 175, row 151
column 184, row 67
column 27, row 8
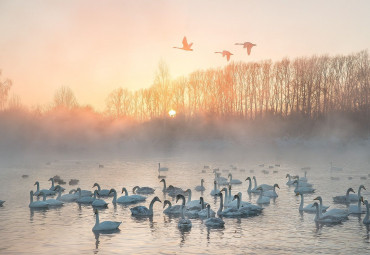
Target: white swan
column 192, row 204
column 45, row 191
column 366, row 219
column 211, row 221
column 263, row 186
column 143, row 190
column 356, row 209
column 304, row 179
column 201, row 187
column 204, row 212
column 105, row 225
column 302, row 183
column 52, row 185
column 290, row 181
column 355, row 197
column 271, row 193
column 36, row 204
column 229, row 212
column 215, row 190
column 247, row 210
column 344, row 199
column 301, row 189
column 233, row 181
column 309, row 208
column 325, row 218
column 173, row 210
column 262, row 199
column 234, row 203
column 220, row 180
column 84, row 200
column 144, row 211
column 126, row 199
column 71, row 197
column 162, row 169
column 98, row 202
column 249, row 184
column 50, row 202
column 183, row 222
column 335, row 212
column 102, row 192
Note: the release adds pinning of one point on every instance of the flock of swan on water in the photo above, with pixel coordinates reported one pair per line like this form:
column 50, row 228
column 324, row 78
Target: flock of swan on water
column 230, row 205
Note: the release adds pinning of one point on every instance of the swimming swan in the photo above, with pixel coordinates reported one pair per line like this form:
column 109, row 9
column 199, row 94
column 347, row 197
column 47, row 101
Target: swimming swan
column 50, row 202
column 201, row 187
column 45, row 191
column 325, row 218
column 233, row 181
column 215, row 190
column 126, row 199
column 143, row 190
column 36, row 204
column 335, row 212
column 173, row 210
column 84, row 200
column 204, row 212
column 344, row 199
column 262, row 199
column 102, row 192
column 98, row 202
column 144, row 211
column 271, row 193
column 356, row 209
column 229, row 212
column 366, row 219
column 105, row 225
column 309, row 208
column 301, row 189
column 211, row 221
column 183, row 222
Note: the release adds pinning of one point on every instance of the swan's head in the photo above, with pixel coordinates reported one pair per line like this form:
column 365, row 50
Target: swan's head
column 236, row 197
column 78, row 189
column 133, row 190
column 318, row 198
column 36, row 183
column 276, row 185
column 350, row 190
column 229, row 187
column 179, row 196
column 201, row 199
column 208, row 206
column 31, row 192
column 362, row 187
column 96, row 211
column 112, row 191
column 295, row 182
column 254, row 177
column 72, row 191
column 163, row 180
column 224, row 189
column 202, row 181
column 248, row 178
column 95, row 185
column 123, row 190
column 188, row 191
column 157, row 199
column 57, row 187
column 287, row 175
column 166, row 202
column 214, row 182
column 219, row 194
column 229, row 175
column 51, row 179
column 297, row 194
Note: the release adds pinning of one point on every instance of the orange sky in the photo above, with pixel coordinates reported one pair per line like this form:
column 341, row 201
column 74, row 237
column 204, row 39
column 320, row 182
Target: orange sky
column 96, row 46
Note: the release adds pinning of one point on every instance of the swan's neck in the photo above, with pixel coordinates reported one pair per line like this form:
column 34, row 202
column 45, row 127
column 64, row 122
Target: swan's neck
column 289, row 178
column 98, row 186
column 249, row 185
column 31, row 198
column 202, row 203
column 214, row 186
column 164, row 185
column 59, row 194
column 231, row 177
column 169, row 204
column 52, row 184
column 359, row 192
column 189, row 197
column 238, row 203
column 229, row 198
column 255, row 182
column 201, row 184
column 159, row 166
column 347, row 195
column 260, row 197
column 115, row 197
column 79, row 194
column 359, row 205
column 367, row 212
column 151, row 206
column 95, row 193
column 317, row 213
column 126, row 193
column 182, row 212
column 43, row 197
column 302, row 202
column 208, row 212
column 221, row 204
column 38, row 187
column 96, row 219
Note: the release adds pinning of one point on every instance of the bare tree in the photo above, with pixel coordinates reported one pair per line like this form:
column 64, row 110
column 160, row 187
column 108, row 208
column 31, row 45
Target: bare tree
column 64, row 98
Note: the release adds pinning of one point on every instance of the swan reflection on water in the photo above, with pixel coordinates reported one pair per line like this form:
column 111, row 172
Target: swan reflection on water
column 109, row 233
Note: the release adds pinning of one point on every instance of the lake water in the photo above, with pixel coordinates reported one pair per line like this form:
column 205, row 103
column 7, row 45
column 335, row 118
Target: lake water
column 280, row 229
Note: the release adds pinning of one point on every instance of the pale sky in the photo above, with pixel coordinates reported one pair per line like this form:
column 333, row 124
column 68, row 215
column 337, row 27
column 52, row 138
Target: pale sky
column 94, row 47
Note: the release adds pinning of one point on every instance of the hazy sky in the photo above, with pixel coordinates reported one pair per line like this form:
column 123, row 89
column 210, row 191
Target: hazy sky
column 96, row 46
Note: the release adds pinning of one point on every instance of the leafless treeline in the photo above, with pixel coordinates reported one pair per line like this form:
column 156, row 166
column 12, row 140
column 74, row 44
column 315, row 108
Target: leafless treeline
column 312, row 87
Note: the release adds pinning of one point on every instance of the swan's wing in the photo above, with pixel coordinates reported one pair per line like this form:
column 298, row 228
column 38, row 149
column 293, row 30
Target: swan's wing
column 228, row 57
column 249, row 47
column 184, row 42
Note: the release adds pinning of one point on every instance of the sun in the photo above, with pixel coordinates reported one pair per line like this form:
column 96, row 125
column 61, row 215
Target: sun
column 172, row 113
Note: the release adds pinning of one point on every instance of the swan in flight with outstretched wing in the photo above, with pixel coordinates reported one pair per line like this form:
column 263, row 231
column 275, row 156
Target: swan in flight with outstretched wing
column 225, row 53
column 247, row 45
column 185, row 45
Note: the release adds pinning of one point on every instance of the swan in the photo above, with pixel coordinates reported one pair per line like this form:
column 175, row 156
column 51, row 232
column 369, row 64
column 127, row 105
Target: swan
column 143, row 190
column 37, row 204
column 185, row 45
column 101, row 192
column 366, row 219
column 215, row 190
column 201, row 187
column 234, row 203
column 144, row 211
column 304, row 179
column 204, row 212
column 52, row 185
column 183, row 222
column 309, row 208
column 301, row 189
column 174, row 210
column 339, row 213
column 247, row 45
column 302, row 183
column 233, row 181
column 262, row 199
column 45, row 191
column 249, row 185
column 325, row 219
column 229, row 212
column 165, row 189
column 356, row 197
column 192, row 204
column 50, row 202
column 247, row 210
column 345, row 198
column 71, row 197
column 225, row 53
column 2, row 202
column 221, row 180
column 126, row 199
column 271, row 193
column 254, row 190
column 356, row 209
column 162, row 169
column 211, row 221
column 290, row 181
column 84, row 200
column 98, row 202
column 105, row 225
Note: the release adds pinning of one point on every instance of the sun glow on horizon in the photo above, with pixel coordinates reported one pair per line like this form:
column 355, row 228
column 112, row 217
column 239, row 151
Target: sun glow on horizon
column 172, row 113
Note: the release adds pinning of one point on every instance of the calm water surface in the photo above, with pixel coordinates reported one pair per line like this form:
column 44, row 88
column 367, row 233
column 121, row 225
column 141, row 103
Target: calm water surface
column 281, row 229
